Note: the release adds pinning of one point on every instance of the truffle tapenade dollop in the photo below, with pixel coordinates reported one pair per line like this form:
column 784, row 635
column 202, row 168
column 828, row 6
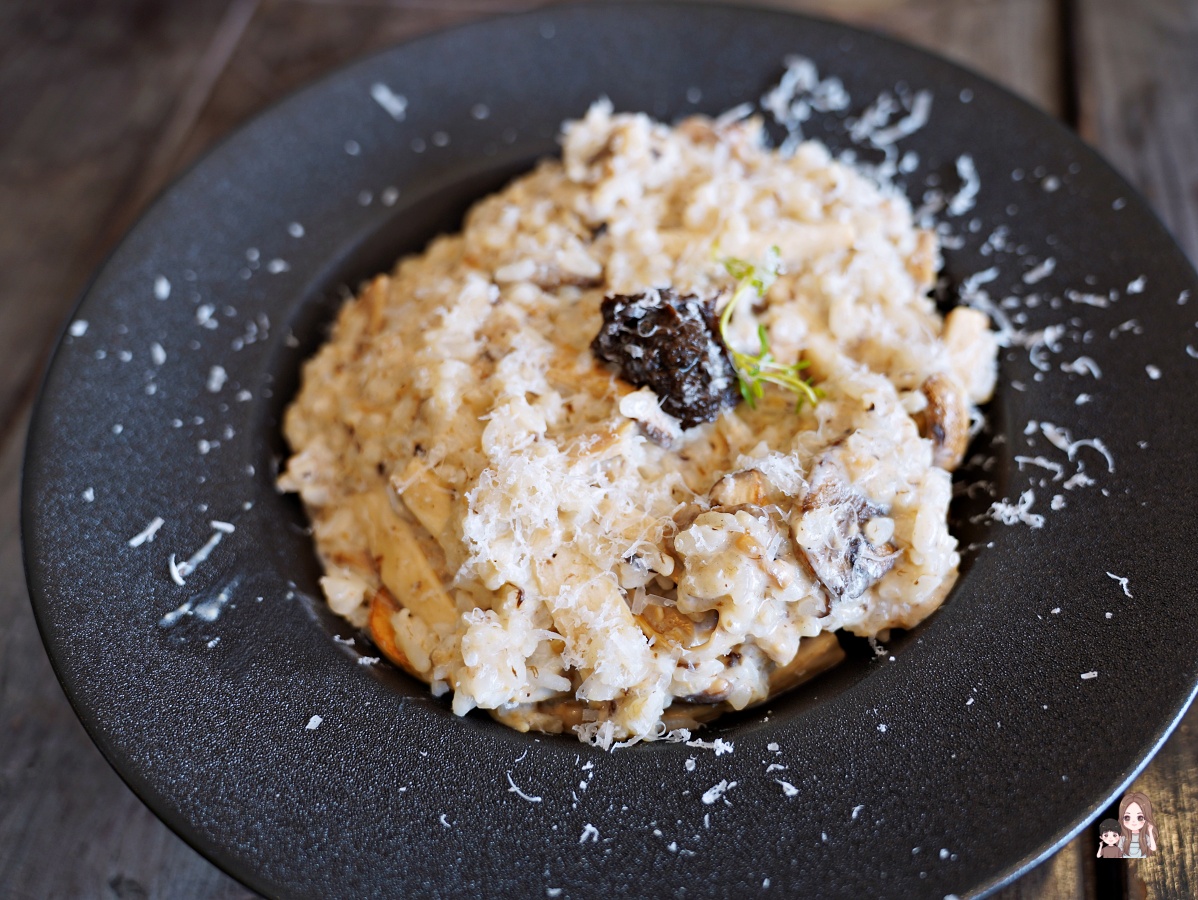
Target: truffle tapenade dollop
column 670, row 344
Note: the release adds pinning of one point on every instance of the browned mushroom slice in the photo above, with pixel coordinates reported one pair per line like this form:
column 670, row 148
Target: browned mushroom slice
column 567, row 710
column 747, row 486
column 945, row 420
column 717, row 693
column 670, row 625
column 815, row 654
column 829, row 529
column 681, row 714
column 549, row 277
column 382, row 630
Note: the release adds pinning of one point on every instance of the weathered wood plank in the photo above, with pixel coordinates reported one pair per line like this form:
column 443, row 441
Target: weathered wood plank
column 84, row 96
column 85, row 92
column 162, row 164
column 288, row 43
column 1171, row 783
column 1063, row 877
column 1138, row 67
column 1015, row 42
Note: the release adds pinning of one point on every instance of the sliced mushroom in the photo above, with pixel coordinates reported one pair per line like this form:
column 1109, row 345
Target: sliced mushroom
column 683, row 517
column 718, row 692
column 668, row 624
column 682, row 714
column 601, row 445
column 566, row 710
column 815, row 654
column 643, row 566
column 382, row 630
column 831, row 530
column 428, row 498
column 945, row 420
column 549, row 277
column 403, row 568
column 747, row 486
column 970, row 344
column 721, row 689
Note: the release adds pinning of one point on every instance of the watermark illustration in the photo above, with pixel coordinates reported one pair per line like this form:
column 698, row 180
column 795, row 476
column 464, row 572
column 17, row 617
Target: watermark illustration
column 1138, row 835
column 1109, row 836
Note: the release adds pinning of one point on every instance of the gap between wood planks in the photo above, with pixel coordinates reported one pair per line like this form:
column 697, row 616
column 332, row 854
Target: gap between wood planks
column 1069, row 75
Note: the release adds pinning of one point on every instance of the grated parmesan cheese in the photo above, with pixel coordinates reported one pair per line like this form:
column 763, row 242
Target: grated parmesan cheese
column 519, row 793
column 716, row 792
column 395, row 105
column 1122, row 583
column 146, row 535
column 1020, row 512
column 466, row 462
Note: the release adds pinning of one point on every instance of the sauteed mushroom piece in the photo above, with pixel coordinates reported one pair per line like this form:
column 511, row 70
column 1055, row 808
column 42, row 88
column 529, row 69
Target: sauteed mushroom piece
column 833, row 530
column 945, row 420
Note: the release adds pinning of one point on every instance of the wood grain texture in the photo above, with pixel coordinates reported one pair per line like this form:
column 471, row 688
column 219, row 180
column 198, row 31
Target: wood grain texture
column 1063, row 877
column 84, row 98
column 1171, row 783
column 290, row 42
column 1138, row 67
column 162, row 163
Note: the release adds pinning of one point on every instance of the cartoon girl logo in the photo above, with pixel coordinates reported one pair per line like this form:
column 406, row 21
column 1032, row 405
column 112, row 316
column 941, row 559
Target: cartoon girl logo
column 1139, row 834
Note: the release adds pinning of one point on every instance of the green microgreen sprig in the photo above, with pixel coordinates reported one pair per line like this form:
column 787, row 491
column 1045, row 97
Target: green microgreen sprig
column 754, row 372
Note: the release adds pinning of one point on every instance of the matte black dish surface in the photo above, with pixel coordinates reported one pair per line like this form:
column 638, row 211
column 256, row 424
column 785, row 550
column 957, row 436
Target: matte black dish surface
column 975, row 751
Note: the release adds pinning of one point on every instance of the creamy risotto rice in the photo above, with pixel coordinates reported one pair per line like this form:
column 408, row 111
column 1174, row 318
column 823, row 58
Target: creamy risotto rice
column 519, row 526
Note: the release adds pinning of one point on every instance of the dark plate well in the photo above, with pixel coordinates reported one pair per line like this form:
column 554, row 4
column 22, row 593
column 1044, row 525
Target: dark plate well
column 950, row 769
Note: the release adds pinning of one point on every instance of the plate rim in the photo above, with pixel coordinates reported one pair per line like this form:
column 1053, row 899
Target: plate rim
column 238, row 867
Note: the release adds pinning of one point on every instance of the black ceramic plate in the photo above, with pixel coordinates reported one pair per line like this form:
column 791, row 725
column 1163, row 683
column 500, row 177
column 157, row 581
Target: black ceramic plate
column 977, row 750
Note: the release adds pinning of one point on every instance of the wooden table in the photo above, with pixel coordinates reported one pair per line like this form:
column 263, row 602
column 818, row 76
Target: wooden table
column 102, row 103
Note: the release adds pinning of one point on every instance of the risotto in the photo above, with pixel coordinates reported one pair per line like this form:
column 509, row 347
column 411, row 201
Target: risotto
column 576, row 537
